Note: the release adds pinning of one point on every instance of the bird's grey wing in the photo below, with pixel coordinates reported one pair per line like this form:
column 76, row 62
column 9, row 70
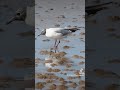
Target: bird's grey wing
column 63, row 32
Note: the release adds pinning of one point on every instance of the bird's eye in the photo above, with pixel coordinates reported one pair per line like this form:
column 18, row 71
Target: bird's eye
column 18, row 13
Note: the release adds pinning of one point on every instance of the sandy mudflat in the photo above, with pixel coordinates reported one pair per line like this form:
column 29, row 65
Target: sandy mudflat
column 65, row 64
column 105, row 27
column 14, row 47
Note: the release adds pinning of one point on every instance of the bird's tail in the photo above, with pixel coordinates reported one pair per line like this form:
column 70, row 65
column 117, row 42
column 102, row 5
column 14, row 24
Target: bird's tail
column 73, row 29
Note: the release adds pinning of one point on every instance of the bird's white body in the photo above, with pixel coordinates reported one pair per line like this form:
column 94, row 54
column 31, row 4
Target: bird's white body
column 52, row 33
column 57, row 33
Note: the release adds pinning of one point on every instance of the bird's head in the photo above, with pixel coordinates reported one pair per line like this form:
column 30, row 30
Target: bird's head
column 20, row 15
column 43, row 32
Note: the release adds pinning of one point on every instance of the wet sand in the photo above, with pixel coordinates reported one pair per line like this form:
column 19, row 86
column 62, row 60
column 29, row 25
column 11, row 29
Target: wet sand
column 61, row 70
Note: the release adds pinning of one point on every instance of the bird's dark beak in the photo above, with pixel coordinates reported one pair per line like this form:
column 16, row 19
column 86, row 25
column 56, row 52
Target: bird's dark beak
column 43, row 32
column 11, row 20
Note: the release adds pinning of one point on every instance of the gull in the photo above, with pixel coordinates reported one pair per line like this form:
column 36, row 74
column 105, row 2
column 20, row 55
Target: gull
column 26, row 14
column 57, row 33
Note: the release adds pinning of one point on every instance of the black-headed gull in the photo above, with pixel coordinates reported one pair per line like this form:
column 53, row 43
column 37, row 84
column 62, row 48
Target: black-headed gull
column 24, row 14
column 57, row 33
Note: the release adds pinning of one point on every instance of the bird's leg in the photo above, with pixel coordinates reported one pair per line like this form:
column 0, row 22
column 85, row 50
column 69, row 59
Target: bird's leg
column 55, row 43
column 55, row 50
column 58, row 44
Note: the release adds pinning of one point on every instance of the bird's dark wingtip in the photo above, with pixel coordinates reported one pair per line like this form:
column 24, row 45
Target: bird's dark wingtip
column 74, row 29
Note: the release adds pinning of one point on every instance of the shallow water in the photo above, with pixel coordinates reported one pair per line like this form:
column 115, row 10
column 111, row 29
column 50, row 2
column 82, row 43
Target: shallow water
column 46, row 18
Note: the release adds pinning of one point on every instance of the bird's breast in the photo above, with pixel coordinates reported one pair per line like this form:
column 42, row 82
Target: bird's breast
column 53, row 34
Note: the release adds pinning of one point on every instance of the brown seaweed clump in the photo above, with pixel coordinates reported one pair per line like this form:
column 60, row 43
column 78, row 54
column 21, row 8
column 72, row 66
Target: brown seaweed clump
column 61, row 79
column 49, row 69
column 6, row 79
column 62, row 60
column 39, row 85
column 37, row 60
column 68, row 65
column 75, row 56
column 114, row 61
column 59, row 55
column 40, row 76
column 46, row 76
column 66, row 47
column 73, row 85
column 53, row 64
column 105, row 73
column 53, row 87
column 26, row 34
column 110, row 29
column 71, row 78
column 112, row 87
column 48, row 61
column 56, row 70
column 80, row 63
column 78, row 57
column 49, row 81
column 77, row 72
column 82, row 83
column 61, row 87
column 53, row 70
column 114, row 18
column 1, row 60
column 23, row 62
column 44, row 52
column 81, row 88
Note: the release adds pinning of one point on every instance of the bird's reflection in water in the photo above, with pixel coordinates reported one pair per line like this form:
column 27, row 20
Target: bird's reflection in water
column 56, row 59
column 54, row 49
